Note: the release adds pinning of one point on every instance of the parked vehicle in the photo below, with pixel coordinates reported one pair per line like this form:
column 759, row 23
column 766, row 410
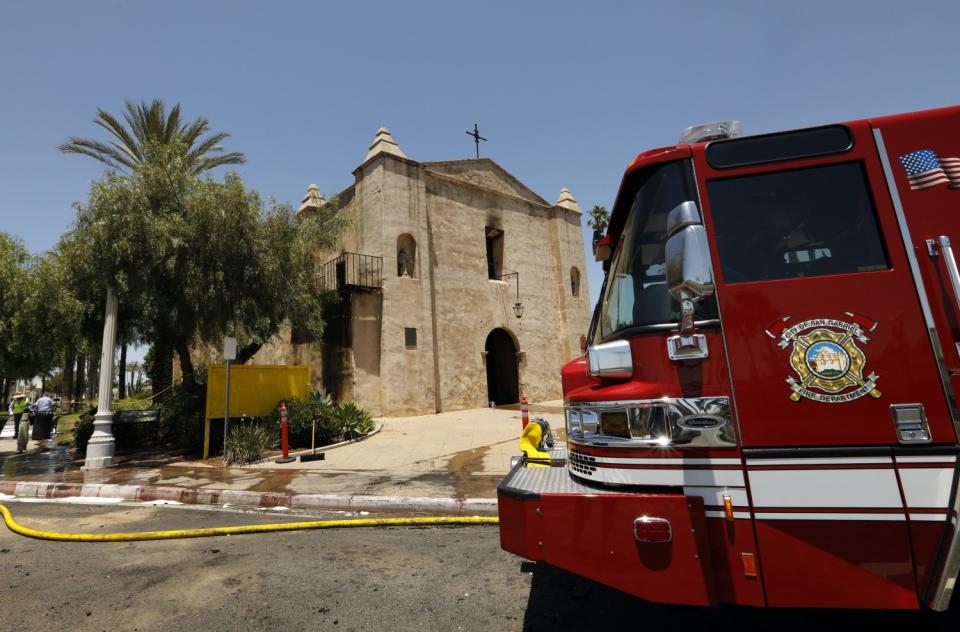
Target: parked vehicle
column 766, row 412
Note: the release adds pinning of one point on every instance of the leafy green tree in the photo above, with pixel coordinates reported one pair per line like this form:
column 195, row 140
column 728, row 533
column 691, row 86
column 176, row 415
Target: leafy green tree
column 38, row 314
column 157, row 146
column 49, row 319
column 254, row 266
column 14, row 259
column 220, row 262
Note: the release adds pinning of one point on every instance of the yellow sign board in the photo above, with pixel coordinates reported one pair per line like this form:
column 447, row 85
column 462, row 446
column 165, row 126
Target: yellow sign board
column 255, row 391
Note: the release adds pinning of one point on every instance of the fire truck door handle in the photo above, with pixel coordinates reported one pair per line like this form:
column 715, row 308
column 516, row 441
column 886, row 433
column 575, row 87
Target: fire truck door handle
column 951, row 264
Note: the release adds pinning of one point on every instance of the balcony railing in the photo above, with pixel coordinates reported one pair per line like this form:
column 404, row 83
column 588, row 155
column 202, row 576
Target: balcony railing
column 351, row 271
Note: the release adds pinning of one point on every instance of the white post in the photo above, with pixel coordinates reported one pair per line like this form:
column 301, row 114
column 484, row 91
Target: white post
column 229, row 353
column 100, row 449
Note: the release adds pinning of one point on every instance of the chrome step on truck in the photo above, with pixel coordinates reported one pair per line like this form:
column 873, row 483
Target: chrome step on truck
column 526, row 481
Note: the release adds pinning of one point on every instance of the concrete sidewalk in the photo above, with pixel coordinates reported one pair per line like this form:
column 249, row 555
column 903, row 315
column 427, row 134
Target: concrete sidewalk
column 448, row 462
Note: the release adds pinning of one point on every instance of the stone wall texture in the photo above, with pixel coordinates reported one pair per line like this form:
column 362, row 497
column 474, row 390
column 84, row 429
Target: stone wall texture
column 447, row 295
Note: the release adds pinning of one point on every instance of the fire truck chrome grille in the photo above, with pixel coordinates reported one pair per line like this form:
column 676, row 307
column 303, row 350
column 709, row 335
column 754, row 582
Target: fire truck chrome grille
column 582, row 463
column 701, row 422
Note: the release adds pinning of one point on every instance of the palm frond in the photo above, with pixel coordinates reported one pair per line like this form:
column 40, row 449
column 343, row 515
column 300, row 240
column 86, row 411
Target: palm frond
column 149, row 123
column 209, row 145
column 190, row 133
column 135, row 121
column 171, row 124
column 157, row 121
column 110, row 123
column 134, row 158
column 95, row 149
column 206, row 164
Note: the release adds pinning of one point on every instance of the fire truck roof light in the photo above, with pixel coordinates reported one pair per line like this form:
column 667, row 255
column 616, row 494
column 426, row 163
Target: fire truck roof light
column 718, row 130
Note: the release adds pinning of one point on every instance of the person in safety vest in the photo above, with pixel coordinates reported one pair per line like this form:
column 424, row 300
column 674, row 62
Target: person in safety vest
column 18, row 407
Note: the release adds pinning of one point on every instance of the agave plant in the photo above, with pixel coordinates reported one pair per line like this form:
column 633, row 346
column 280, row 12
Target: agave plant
column 352, row 421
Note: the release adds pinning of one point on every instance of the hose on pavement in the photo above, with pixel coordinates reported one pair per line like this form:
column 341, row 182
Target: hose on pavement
column 175, row 534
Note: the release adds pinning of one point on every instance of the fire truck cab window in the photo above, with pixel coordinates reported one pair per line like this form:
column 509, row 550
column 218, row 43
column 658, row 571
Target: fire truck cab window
column 636, row 289
column 798, row 223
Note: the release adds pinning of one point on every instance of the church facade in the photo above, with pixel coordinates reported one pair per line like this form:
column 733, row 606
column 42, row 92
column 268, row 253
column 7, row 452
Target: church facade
column 457, row 286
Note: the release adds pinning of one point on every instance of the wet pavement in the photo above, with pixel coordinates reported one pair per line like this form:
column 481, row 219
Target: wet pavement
column 462, row 454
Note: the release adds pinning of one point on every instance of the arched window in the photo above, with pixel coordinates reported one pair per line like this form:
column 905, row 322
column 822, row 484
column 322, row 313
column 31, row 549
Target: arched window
column 406, row 256
column 574, row 281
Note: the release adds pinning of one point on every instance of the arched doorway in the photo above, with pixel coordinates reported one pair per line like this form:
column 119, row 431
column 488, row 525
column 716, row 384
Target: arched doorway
column 503, row 383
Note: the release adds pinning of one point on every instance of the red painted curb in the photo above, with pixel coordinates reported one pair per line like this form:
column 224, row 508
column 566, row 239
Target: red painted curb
column 267, row 500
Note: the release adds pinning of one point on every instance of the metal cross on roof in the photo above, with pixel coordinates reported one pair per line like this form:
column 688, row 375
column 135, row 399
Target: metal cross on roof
column 476, row 138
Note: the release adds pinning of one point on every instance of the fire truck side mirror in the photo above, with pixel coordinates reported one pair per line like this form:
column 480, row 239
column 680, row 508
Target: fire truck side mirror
column 683, row 215
column 688, row 271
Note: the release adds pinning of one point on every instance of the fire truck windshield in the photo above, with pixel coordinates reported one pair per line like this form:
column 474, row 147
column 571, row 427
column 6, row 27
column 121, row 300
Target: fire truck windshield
column 636, row 289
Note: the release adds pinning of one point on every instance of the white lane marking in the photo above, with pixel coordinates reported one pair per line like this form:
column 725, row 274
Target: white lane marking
column 926, row 486
column 825, row 488
column 853, row 460
column 871, row 517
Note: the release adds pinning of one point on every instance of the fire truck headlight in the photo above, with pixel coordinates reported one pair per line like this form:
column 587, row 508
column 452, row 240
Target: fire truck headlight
column 573, row 421
column 589, row 421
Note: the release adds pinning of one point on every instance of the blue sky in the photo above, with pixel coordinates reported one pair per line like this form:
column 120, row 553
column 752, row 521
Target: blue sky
column 566, row 93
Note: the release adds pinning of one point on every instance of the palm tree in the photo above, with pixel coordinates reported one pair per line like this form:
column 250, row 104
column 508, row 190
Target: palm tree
column 134, row 368
column 147, row 124
column 145, row 141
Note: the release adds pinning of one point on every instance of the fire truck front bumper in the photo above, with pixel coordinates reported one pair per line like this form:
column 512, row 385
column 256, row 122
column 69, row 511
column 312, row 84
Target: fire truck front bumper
column 654, row 546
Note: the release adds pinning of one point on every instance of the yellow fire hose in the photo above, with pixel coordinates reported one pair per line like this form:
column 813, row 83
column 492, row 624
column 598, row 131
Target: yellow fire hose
column 135, row 536
column 529, row 440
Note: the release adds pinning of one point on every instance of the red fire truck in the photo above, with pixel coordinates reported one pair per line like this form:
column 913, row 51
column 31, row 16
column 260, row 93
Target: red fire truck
column 766, row 413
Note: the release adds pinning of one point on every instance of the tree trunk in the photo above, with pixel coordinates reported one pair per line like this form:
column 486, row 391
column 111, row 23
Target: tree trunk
column 122, row 372
column 66, row 387
column 81, row 376
column 160, row 370
column 186, row 367
column 93, row 375
column 245, row 354
column 3, row 394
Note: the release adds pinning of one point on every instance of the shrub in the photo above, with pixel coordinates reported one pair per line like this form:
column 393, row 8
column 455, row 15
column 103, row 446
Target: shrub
column 83, row 429
column 247, row 443
column 125, row 435
column 301, row 413
column 181, row 418
column 352, row 421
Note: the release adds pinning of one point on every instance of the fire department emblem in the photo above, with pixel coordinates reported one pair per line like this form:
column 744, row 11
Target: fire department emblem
column 826, row 358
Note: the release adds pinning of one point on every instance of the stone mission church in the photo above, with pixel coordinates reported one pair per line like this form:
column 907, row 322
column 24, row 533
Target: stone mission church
column 458, row 284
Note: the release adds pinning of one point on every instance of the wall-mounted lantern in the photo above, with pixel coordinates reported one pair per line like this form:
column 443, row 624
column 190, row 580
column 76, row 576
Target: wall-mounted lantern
column 518, row 306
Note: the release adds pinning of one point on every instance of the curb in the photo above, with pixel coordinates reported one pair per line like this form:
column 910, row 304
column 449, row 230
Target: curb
column 375, row 430
column 266, row 500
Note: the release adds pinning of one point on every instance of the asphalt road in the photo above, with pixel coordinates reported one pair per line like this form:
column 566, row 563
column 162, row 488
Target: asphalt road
column 453, row 578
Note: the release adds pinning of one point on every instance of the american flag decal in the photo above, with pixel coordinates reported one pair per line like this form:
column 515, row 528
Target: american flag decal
column 925, row 169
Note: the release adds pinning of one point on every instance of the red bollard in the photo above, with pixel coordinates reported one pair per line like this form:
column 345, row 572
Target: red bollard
column 284, row 441
column 524, row 412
